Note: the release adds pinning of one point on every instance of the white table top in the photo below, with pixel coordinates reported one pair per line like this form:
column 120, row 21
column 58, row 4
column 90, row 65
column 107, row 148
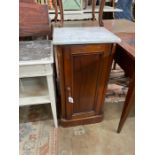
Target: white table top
column 35, row 52
column 89, row 9
column 83, row 35
column 84, row 13
column 106, row 9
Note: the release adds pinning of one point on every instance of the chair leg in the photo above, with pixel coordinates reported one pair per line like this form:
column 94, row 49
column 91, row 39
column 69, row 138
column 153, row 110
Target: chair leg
column 102, row 3
column 93, row 9
column 61, row 12
column 56, row 10
column 85, row 4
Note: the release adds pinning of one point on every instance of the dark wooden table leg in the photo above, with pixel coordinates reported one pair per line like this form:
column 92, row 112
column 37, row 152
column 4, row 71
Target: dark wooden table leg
column 129, row 102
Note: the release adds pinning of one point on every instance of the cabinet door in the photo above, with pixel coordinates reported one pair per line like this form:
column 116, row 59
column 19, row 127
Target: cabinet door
column 86, row 70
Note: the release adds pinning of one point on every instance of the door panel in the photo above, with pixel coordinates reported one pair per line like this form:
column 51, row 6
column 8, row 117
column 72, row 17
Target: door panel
column 84, row 69
column 85, row 76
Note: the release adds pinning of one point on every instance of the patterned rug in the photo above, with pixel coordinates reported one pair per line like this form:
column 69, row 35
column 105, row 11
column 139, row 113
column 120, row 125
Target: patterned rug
column 117, row 86
column 37, row 135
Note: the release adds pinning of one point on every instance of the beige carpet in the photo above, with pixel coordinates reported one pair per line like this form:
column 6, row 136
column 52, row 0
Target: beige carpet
column 100, row 138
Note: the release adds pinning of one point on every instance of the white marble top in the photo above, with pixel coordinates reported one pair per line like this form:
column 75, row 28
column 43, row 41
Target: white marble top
column 35, row 52
column 83, row 35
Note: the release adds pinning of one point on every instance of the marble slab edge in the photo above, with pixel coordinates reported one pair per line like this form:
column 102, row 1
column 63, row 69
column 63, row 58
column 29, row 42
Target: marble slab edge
column 83, row 35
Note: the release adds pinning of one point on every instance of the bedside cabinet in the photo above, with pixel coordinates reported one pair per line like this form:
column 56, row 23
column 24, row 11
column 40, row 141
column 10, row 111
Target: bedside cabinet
column 83, row 59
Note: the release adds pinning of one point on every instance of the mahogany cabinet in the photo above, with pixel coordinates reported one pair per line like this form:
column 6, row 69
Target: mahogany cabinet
column 82, row 76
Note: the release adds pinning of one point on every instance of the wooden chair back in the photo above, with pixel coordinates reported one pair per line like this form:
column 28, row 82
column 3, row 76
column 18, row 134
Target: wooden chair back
column 33, row 20
column 27, row 1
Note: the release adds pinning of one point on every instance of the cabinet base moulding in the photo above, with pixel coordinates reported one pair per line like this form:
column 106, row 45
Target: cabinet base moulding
column 83, row 121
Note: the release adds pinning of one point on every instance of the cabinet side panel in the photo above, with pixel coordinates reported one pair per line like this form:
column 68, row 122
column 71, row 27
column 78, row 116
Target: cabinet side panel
column 60, row 78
